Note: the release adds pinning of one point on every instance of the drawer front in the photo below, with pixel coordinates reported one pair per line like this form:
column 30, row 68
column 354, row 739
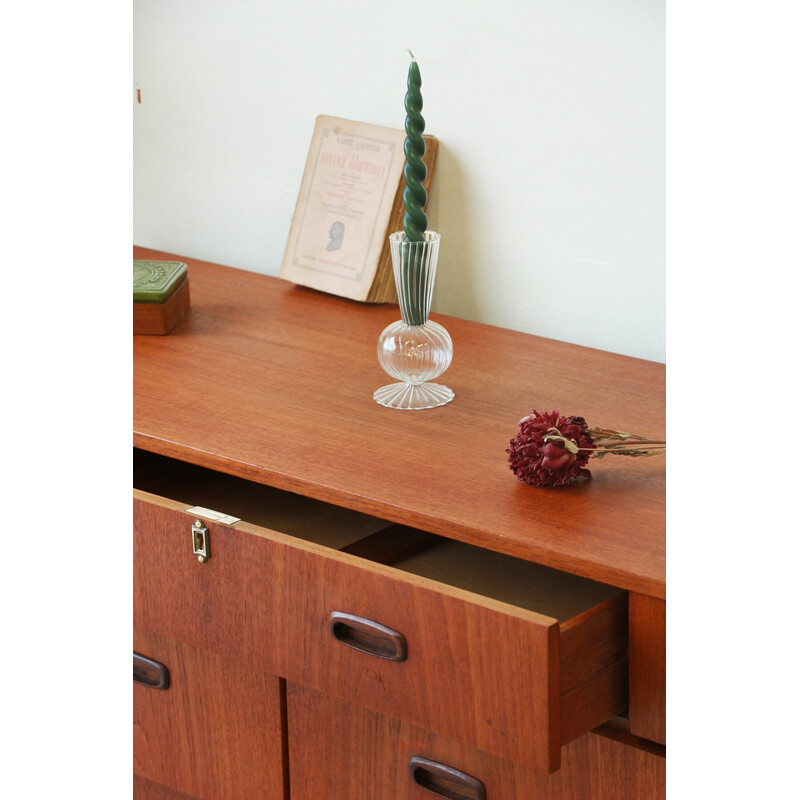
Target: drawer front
column 226, row 605
column 344, row 751
column 215, row 732
column 471, row 668
column 472, row 671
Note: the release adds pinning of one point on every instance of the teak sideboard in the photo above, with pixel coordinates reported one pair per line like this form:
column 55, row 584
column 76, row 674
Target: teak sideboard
column 333, row 599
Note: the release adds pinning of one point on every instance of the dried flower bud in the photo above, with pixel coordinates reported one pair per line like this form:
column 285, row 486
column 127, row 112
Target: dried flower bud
column 550, row 449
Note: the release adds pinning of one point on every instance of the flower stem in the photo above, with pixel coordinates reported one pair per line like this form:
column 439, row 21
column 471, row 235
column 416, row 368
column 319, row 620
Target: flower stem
column 603, row 433
column 613, row 442
column 636, row 443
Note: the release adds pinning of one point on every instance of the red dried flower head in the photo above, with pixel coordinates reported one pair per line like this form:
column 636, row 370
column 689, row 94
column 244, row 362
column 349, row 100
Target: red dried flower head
column 550, row 449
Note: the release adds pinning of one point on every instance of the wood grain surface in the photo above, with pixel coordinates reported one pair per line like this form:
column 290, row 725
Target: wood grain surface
column 648, row 665
column 274, row 383
column 339, row 750
column 160, row 318
column 144, row 789
column 477, row 669
column 215, row 733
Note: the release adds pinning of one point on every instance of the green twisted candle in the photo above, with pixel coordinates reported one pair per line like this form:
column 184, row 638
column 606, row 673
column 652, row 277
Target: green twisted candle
column 414, row 195
column 414, row 198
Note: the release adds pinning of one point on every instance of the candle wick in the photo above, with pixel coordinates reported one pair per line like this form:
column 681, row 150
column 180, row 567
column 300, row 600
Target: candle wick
column 411, row 54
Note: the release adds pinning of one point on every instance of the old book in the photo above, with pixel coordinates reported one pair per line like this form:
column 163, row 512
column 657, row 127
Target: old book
column 350, row 200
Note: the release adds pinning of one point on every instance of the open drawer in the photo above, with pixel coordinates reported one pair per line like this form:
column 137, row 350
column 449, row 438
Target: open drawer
column 504, row 655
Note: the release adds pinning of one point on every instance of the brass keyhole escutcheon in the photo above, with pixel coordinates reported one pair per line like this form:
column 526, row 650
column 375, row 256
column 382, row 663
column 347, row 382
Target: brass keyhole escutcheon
column 200, row 541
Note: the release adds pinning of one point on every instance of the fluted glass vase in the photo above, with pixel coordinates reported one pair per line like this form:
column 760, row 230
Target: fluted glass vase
column 414, row 350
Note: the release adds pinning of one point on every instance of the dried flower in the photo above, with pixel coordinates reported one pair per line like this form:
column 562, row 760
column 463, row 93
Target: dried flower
column 551, row 449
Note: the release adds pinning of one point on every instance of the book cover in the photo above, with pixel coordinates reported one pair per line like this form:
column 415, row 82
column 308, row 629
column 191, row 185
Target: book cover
column 350, row 200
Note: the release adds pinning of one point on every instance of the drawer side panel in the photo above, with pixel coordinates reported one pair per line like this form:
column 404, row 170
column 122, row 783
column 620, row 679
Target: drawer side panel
column 648, row 644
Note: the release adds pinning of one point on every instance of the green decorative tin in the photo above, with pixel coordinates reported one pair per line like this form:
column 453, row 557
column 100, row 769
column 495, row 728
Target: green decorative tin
column 156, row 281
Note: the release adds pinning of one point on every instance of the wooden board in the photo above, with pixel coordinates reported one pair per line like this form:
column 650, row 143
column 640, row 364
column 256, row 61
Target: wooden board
column 150, row 790
column 274, row 382
column 217, row 731
column 476, row 669
column 648, row 667
column 343, row 751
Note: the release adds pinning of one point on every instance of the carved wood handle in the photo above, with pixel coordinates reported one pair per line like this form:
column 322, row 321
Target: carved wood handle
column 150, row 673
column 368, row 636
column 445, row 781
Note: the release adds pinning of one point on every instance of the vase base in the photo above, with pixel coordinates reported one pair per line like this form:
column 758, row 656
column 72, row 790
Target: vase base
column 413, row 395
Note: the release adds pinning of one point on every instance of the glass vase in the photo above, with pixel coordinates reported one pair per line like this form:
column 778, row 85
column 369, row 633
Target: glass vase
column 414, row 350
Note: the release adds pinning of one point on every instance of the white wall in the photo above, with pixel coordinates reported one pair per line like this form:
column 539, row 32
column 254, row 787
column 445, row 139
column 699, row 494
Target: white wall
column 550, row 187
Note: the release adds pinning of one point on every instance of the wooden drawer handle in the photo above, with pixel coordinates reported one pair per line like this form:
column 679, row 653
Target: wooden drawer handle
column 368, row 636
column 150, row 673
column 445, row 781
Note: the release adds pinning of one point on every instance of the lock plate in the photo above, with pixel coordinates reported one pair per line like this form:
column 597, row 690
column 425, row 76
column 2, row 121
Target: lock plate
column 200, row 541
column 215, row 516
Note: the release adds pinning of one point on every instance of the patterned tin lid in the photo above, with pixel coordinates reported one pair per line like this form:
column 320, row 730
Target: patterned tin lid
column 155, row 281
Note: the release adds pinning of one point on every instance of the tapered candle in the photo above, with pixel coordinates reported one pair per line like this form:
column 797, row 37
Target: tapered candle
column 414, row 195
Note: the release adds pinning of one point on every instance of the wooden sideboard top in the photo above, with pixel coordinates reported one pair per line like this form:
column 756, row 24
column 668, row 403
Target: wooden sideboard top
column 273, row 382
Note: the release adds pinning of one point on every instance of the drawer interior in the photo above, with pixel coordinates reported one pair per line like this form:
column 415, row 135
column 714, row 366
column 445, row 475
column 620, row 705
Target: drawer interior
column 293, row 514
column 547, row 591
column 521, row 583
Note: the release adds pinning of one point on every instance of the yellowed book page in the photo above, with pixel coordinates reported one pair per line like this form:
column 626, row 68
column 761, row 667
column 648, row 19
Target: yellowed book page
column 344, row 205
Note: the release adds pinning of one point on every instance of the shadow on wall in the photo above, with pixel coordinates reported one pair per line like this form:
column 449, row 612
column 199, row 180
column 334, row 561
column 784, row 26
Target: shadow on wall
column 448, row 213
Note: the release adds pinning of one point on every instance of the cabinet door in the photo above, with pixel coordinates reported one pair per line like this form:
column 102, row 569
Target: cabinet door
column 341, row 750
column 215, row 733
